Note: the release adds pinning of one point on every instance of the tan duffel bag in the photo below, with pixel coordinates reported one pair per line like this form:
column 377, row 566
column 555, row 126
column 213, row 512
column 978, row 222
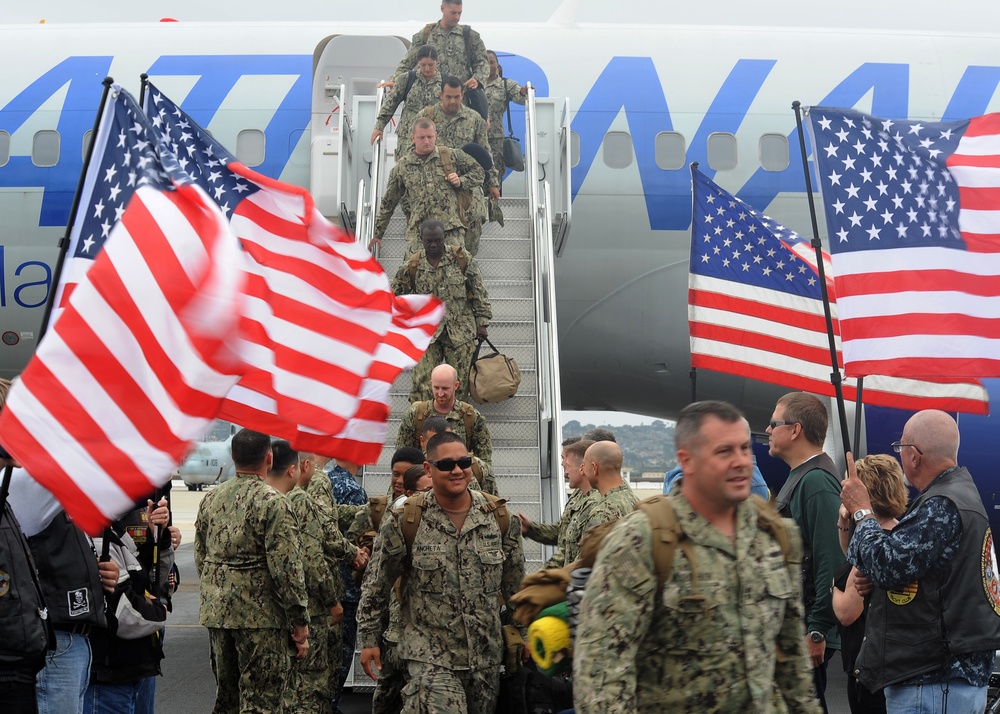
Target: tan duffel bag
column 493, row 377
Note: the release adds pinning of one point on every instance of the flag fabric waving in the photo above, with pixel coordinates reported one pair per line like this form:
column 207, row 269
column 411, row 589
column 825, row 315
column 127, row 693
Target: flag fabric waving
column 755, row 309
column 913, row 212
column 323, row 333
column 137, row 364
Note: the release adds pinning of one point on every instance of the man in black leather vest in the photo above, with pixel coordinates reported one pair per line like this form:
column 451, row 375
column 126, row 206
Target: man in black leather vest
column 934, row 621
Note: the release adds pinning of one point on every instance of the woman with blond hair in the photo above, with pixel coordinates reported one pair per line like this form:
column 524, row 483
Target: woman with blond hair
column 883, row 477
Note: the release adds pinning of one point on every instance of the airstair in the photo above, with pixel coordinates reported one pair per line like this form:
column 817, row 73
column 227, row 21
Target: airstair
column 348, row 179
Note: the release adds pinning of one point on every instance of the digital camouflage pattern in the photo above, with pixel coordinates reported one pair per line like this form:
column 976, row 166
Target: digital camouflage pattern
column 452, row 58
column 566, row 534
column 617, row 503
column 498, row 91
column 438, row 690
column 450, row 610
column 479, row 443
column 467, row 307
column 423, row 93
column 310, row 689
column 733, row 643
column 252, row 669
column 246, row 550
column 466, row 127
column 421, row 181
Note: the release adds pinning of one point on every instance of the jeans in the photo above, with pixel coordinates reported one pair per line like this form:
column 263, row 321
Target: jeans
column 954, row 697
column 61, row 684
column 112, row 698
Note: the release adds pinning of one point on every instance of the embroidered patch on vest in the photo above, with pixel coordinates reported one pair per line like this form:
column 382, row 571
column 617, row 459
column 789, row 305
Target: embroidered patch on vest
column 989, row 564
column 904, row 596
column 79, row 602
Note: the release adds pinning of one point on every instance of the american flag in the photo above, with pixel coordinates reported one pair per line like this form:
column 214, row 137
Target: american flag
column 137, row 363
column 913, row 213
column 755, row 309
column 323, row 334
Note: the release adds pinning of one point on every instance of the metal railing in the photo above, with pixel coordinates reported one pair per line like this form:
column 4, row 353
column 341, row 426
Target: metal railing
column 370, row 191
column 546, row 332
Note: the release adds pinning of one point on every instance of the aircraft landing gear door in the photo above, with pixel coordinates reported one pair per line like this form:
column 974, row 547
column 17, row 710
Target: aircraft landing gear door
column 345, row 67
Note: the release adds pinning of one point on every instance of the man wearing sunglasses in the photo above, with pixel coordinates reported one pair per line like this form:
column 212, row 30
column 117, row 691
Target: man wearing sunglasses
column 934, row 621
column 456, row 570
column 811, row 497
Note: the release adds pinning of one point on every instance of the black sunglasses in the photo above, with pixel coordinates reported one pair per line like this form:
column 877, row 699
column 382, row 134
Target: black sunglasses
column 449, row 464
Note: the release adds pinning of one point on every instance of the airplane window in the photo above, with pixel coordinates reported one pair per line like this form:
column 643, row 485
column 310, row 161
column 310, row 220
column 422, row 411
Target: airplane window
column 721, row 151
column 250, row 147
column 4, row 148
column 617, row 150
column 86, row 142
column 671, row 150
column 45, row 148
column 574, row 149
column 774, row 152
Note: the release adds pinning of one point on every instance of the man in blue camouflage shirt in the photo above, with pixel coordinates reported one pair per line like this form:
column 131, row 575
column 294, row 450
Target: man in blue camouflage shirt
column 934, row 620
column 347, row 491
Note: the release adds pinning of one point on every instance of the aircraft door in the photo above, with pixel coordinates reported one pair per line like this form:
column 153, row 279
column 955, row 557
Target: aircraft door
column 345, row 68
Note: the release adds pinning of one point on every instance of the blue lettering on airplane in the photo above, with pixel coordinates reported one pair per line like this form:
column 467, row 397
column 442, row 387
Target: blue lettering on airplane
column 82, row 78
column 40, row 274
column 632, row 84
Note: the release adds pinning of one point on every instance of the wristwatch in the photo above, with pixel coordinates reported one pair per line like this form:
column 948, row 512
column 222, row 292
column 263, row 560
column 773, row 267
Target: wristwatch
column 862, row 514
column 817, row 636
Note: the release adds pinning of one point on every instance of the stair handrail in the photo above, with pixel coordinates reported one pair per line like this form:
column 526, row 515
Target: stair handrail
column 368, row 207
column 546, row 333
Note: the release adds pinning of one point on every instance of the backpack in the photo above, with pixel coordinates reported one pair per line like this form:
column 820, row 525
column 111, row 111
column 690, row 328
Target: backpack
column 465, row 198
column 414, row 506
column 668, row 535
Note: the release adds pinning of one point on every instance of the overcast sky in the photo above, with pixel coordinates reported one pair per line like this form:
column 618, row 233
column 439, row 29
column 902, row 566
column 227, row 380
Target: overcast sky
column 608, row 418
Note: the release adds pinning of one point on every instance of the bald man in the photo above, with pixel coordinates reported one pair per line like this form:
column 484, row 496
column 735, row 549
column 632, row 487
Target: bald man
column 602, row 463
column 934, row 620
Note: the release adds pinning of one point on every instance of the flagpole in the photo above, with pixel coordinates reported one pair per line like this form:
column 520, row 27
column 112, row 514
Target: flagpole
column 858, row 411
column 143, row 83
column 694, row 370
column 835, row 378
column 64, row 241
column 5, row 488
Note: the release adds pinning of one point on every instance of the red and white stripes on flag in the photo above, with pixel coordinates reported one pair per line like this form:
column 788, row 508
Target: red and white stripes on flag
column 137, row 365
column 323, row 335
column 913, row 213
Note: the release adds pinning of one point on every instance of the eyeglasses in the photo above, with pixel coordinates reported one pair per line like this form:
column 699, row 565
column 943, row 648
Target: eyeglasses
column 774, row 423
column 897, row 446
column 449, row 464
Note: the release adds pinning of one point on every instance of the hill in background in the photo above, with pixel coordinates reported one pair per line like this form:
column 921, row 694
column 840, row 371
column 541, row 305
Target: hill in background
column 646, row 447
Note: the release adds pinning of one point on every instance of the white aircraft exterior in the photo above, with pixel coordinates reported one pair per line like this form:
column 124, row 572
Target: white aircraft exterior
column 209, row 462
column 652, row 87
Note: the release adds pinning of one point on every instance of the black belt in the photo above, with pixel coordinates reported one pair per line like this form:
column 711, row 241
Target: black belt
column 78, row 629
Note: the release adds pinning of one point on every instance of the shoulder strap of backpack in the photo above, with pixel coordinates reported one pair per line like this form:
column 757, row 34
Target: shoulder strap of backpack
column 498, row 507
column 461, row 257
column 420, row 412
column 411, row 269
column 413, row 509
column 411, row 77
column 771, row 521
column 469, row 419
column 378, row 504
column 446, row 163
column 667, row 535
column 427, row 31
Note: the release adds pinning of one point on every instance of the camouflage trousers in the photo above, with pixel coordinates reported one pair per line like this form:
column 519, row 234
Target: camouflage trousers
column 252, row 669
column 388, row 697
column 436, row 690
column 472, row 236
column 311, row 688
column 496, row 151
column 442, row 350
column 455, row 236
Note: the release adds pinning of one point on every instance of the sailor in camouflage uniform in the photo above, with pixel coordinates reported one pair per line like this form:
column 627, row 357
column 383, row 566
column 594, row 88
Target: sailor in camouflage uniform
column 253, row 592
column 602, row 463
column 482, row 472
column 453, row 276
column 568, row 533
column 448, row 38
column 459, row 566
column 499, row 93
column 310, row 689
column 457, row 127
column 424, row 91
column 445, row 385
column 429, row 190
column 730, row 642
